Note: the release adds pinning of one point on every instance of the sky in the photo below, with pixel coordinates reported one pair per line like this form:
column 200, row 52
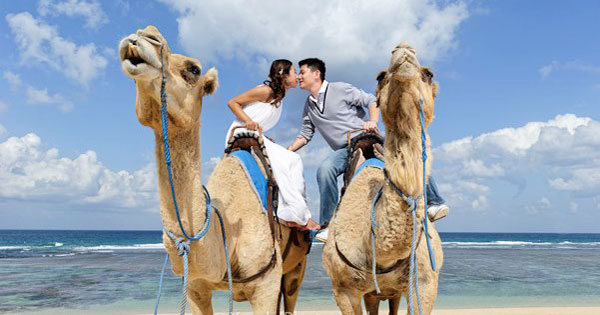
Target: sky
column 515, row 139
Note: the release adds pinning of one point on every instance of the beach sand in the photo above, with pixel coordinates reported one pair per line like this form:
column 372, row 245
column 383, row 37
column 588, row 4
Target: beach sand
column 477, row 311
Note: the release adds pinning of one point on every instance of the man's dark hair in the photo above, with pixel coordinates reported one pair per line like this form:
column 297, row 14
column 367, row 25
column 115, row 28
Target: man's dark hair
column 314, row 64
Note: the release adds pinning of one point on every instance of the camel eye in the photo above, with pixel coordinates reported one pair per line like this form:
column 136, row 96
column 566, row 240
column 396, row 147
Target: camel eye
column 427, row 75
column 195, row 70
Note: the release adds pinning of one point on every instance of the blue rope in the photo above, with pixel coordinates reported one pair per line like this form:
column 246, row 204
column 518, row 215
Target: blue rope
column 424, row 155
column 162, row 275
column 182, row 244
column 229, row 277
column 374, row 224
column 413, row 269
column 413, row 273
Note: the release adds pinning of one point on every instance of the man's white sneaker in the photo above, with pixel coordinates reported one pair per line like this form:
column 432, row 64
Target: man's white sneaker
column 436, row 212
column 322, row 235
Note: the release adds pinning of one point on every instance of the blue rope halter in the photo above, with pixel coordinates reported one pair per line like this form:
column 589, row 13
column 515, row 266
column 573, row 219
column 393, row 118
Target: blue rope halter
column 413, row 273
column 182, row 244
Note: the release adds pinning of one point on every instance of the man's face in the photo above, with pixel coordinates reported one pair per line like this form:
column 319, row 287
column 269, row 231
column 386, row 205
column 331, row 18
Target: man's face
column 308, row 78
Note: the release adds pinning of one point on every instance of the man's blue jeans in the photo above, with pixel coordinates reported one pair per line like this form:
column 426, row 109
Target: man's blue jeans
column 335, row 165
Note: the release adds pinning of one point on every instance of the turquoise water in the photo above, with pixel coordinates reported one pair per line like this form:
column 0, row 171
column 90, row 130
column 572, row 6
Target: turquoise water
column 117, row 272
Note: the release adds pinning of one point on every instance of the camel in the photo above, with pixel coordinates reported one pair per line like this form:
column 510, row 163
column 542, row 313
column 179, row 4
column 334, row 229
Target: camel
column 252, row 248
column 347, row 252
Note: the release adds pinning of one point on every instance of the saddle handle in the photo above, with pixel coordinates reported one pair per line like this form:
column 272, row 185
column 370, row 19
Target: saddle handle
column 355, row 131
column 242, row 126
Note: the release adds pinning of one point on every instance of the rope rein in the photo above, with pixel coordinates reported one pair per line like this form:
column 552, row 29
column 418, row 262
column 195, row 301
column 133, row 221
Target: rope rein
column 413, row 273
column 182, row 244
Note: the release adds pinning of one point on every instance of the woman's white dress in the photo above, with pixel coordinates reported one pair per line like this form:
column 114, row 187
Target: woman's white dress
column 287, row 165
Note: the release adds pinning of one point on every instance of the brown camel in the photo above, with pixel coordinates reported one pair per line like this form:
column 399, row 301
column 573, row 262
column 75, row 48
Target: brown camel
column 249, row 239
column 347, row 253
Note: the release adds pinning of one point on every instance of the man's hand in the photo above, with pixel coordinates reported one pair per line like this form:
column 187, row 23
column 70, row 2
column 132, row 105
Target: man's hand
column 370, row 125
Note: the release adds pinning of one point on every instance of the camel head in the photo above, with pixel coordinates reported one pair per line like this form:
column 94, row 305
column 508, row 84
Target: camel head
column 401, row 86
column 140, row 55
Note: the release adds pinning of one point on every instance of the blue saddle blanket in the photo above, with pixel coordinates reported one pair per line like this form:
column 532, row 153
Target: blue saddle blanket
column 373, row 162
column 258, row 180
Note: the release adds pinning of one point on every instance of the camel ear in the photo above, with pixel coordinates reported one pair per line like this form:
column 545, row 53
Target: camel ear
column 435, row 88
column 381, row 76
column 211, row 81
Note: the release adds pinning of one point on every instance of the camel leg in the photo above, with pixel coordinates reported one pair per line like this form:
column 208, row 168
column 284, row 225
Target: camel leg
column 348, row 301
column 200, row 301
column 427, row 300
column 371, row 304
column 290, row 286
column 266, row 293
column 394, row 305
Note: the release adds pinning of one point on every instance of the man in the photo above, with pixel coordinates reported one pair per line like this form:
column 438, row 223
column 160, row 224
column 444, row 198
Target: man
column 334, row 108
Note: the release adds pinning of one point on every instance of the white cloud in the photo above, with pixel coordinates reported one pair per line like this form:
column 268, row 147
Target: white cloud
column 3, row 107
column 41, row 43
column 313, row 155
column 546, row 70
column 542, row 204
column 124, row 6
column 36, row 96
column 13, row 79
column 481, row 202
column 30, row 173
column 576, row 66
column 573, row 206
column 209, row 166
column 342, row 33
column 91, row 11
column 563, row 152
column 477, row 168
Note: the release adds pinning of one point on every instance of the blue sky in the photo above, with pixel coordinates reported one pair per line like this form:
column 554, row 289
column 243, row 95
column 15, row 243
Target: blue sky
column 515, row 136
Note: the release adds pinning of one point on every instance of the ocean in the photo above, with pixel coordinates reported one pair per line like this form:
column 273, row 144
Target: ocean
column 117, row 272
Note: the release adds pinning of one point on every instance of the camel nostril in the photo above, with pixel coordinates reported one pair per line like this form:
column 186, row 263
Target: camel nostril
column 134, row 42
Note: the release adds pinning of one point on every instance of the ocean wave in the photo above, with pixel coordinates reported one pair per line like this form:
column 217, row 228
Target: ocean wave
column 500, row 243
column 58, row 244
column 101, row 248
column 497, row 244
column 14, row 247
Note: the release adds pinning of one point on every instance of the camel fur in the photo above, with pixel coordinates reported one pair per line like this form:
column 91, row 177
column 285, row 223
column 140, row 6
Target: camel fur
column 398, row 93
column 248, row 235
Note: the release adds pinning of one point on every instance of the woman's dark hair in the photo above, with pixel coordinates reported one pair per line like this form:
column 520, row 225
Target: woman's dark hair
column 280, row 68
column 314, row 64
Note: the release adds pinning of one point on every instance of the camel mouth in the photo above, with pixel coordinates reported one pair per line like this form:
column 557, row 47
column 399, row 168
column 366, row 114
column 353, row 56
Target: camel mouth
column 138, row 55
column 135, row 60
column 405, row 64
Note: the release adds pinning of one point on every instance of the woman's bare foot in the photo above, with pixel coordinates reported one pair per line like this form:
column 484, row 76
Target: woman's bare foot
column 310, row 225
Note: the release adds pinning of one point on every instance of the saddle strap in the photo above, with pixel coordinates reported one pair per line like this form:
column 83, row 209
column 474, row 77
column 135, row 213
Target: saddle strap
column 270, row 190
column 260, row 272
column 389, row 269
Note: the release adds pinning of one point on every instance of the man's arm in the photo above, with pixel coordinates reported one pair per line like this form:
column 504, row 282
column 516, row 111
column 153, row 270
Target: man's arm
column 297, row 144
column 373, row 117
column 358, row 97
column 306, row 133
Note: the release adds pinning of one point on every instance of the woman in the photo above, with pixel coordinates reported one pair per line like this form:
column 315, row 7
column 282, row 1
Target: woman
column 260, row 109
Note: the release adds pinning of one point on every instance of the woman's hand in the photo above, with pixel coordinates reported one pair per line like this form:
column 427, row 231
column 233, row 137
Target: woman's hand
column 251, row 125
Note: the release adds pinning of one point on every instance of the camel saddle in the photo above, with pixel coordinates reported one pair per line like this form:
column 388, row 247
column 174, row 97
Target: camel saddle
column 250, row 149
column 362, row 148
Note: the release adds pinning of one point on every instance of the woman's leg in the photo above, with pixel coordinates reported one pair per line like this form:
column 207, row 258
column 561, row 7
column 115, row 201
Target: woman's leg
column 288, row 172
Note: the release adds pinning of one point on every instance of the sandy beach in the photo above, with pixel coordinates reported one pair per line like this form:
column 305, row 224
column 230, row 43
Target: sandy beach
column 479, row 311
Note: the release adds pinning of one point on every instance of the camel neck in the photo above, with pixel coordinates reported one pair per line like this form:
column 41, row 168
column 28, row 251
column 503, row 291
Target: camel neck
column 403, row 160
column 187, row 180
